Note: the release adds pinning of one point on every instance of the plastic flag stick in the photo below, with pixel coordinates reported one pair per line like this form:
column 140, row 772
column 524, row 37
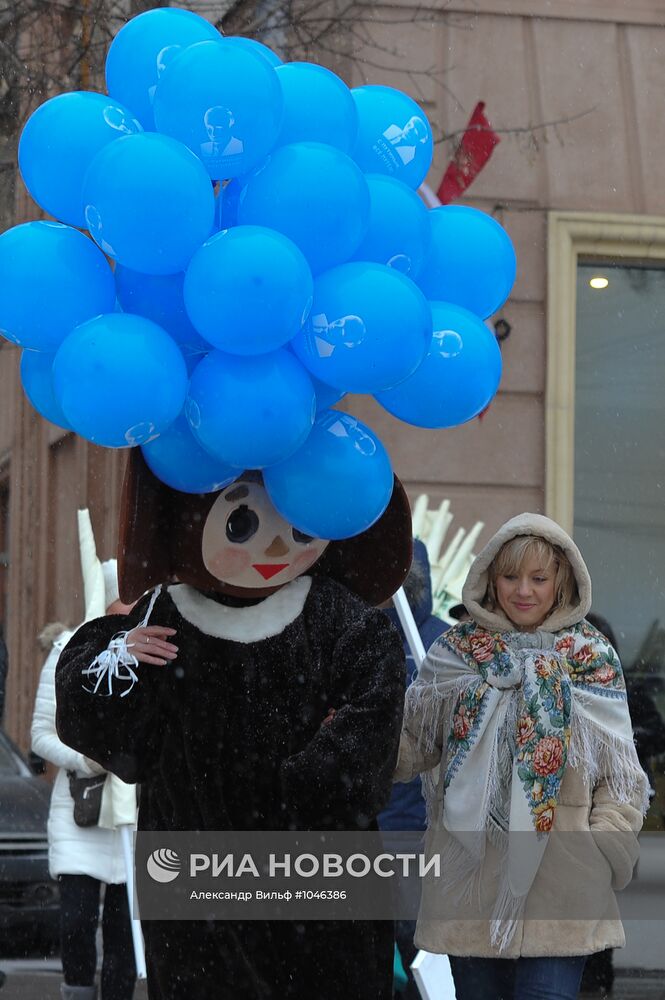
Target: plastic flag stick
column 137, row 937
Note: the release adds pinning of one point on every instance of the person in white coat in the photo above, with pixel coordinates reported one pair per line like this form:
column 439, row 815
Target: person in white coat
column 84, row 858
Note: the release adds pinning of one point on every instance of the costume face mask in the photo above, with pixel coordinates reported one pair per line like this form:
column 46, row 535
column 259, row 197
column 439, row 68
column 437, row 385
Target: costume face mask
column 247, row 544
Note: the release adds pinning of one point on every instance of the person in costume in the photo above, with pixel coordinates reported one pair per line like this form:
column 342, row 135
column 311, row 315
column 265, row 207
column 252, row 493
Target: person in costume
column 212, row 696
column 82, row 858
column 540, row 794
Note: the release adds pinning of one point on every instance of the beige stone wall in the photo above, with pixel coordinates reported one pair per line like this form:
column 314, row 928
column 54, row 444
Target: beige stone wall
column 51, row 474
column 592, row 68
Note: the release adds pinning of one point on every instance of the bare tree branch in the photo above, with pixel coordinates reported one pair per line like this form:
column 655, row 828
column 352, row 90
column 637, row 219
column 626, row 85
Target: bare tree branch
column 532, row 131
column 47, row 46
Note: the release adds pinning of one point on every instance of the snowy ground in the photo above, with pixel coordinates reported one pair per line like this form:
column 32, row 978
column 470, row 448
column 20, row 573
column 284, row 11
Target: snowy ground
column 40, row 980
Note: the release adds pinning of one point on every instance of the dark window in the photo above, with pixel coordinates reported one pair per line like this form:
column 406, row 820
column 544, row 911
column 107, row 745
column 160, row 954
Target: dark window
column 620, row 481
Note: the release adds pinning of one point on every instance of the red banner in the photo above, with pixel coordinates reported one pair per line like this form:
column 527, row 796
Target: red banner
column 474, row 150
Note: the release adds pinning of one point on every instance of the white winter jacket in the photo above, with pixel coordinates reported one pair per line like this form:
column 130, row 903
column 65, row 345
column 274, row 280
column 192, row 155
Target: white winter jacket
column 73, row 850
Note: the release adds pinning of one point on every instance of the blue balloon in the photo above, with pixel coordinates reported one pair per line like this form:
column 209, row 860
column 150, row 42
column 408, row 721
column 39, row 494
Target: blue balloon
column 326, row 395
column 369, row 328
column 159, row 297
column 250, row 412
column 338, row 484
column 471, row 261
column 58, row 144
column 399, row 229
column 394, row 135
column 178, row 460
column 263, row 50
column 457, row 379
column 315, row 195
column 228, row 203
column 224, row 102
column 51, row 279
column 142, row 50
column 248, row 290
column 318, row 106
column 219, row 199
column 149, row 203
column 193, row 359
column 120, row 380
column 37, row 379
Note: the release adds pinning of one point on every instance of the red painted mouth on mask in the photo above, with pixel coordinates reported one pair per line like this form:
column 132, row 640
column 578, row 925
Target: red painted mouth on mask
column 268, row 570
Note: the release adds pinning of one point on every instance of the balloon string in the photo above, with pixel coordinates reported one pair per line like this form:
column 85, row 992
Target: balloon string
column 115, row 664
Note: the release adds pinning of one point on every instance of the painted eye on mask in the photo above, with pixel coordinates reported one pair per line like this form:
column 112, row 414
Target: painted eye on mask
column 300, row 536
column 242, row 523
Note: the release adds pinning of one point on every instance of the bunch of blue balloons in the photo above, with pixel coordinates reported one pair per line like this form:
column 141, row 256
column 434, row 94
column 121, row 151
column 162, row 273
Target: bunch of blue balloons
column 239, row 244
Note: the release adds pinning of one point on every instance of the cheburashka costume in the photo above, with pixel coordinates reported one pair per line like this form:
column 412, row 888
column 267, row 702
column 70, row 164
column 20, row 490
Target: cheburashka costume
column 274, row 629
column 538, row 794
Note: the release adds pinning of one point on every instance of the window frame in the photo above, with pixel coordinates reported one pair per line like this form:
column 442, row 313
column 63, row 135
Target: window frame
column 572, row 235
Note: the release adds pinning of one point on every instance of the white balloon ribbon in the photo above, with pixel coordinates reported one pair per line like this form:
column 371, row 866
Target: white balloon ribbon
column 114, row 666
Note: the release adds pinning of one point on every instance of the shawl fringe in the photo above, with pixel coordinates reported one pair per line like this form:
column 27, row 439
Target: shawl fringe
column 604, row 756
column 508, row 912
column 428, row 715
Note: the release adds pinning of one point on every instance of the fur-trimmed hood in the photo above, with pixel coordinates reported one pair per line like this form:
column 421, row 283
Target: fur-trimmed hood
column 475, row 587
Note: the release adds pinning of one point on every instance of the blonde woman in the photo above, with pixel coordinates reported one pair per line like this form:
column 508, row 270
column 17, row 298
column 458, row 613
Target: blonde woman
column 538, row 794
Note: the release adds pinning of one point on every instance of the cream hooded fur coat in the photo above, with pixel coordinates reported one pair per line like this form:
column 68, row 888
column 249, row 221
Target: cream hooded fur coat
column 577, row 875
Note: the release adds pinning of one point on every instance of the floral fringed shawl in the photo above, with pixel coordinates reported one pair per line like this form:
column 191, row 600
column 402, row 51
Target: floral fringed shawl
column 514, row 717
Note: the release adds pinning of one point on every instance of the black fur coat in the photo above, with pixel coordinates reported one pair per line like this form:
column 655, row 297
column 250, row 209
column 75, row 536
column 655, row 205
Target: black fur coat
column 230, row 736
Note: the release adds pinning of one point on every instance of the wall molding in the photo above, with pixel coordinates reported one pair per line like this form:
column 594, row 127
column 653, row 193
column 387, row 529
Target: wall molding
column 631, row 12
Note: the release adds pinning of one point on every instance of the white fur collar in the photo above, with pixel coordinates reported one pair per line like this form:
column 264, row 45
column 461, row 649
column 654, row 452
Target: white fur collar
column 250, row 624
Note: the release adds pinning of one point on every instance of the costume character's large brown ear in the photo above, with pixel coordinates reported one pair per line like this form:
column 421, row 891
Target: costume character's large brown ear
column 374, row 564
column 144, row 551
column 160, row 533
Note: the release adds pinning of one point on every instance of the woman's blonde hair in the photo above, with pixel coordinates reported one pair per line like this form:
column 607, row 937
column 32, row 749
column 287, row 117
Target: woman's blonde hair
column 511, row 557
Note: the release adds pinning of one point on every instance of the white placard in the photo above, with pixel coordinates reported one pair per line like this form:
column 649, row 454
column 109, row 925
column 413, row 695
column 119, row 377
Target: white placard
column 433, row 976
